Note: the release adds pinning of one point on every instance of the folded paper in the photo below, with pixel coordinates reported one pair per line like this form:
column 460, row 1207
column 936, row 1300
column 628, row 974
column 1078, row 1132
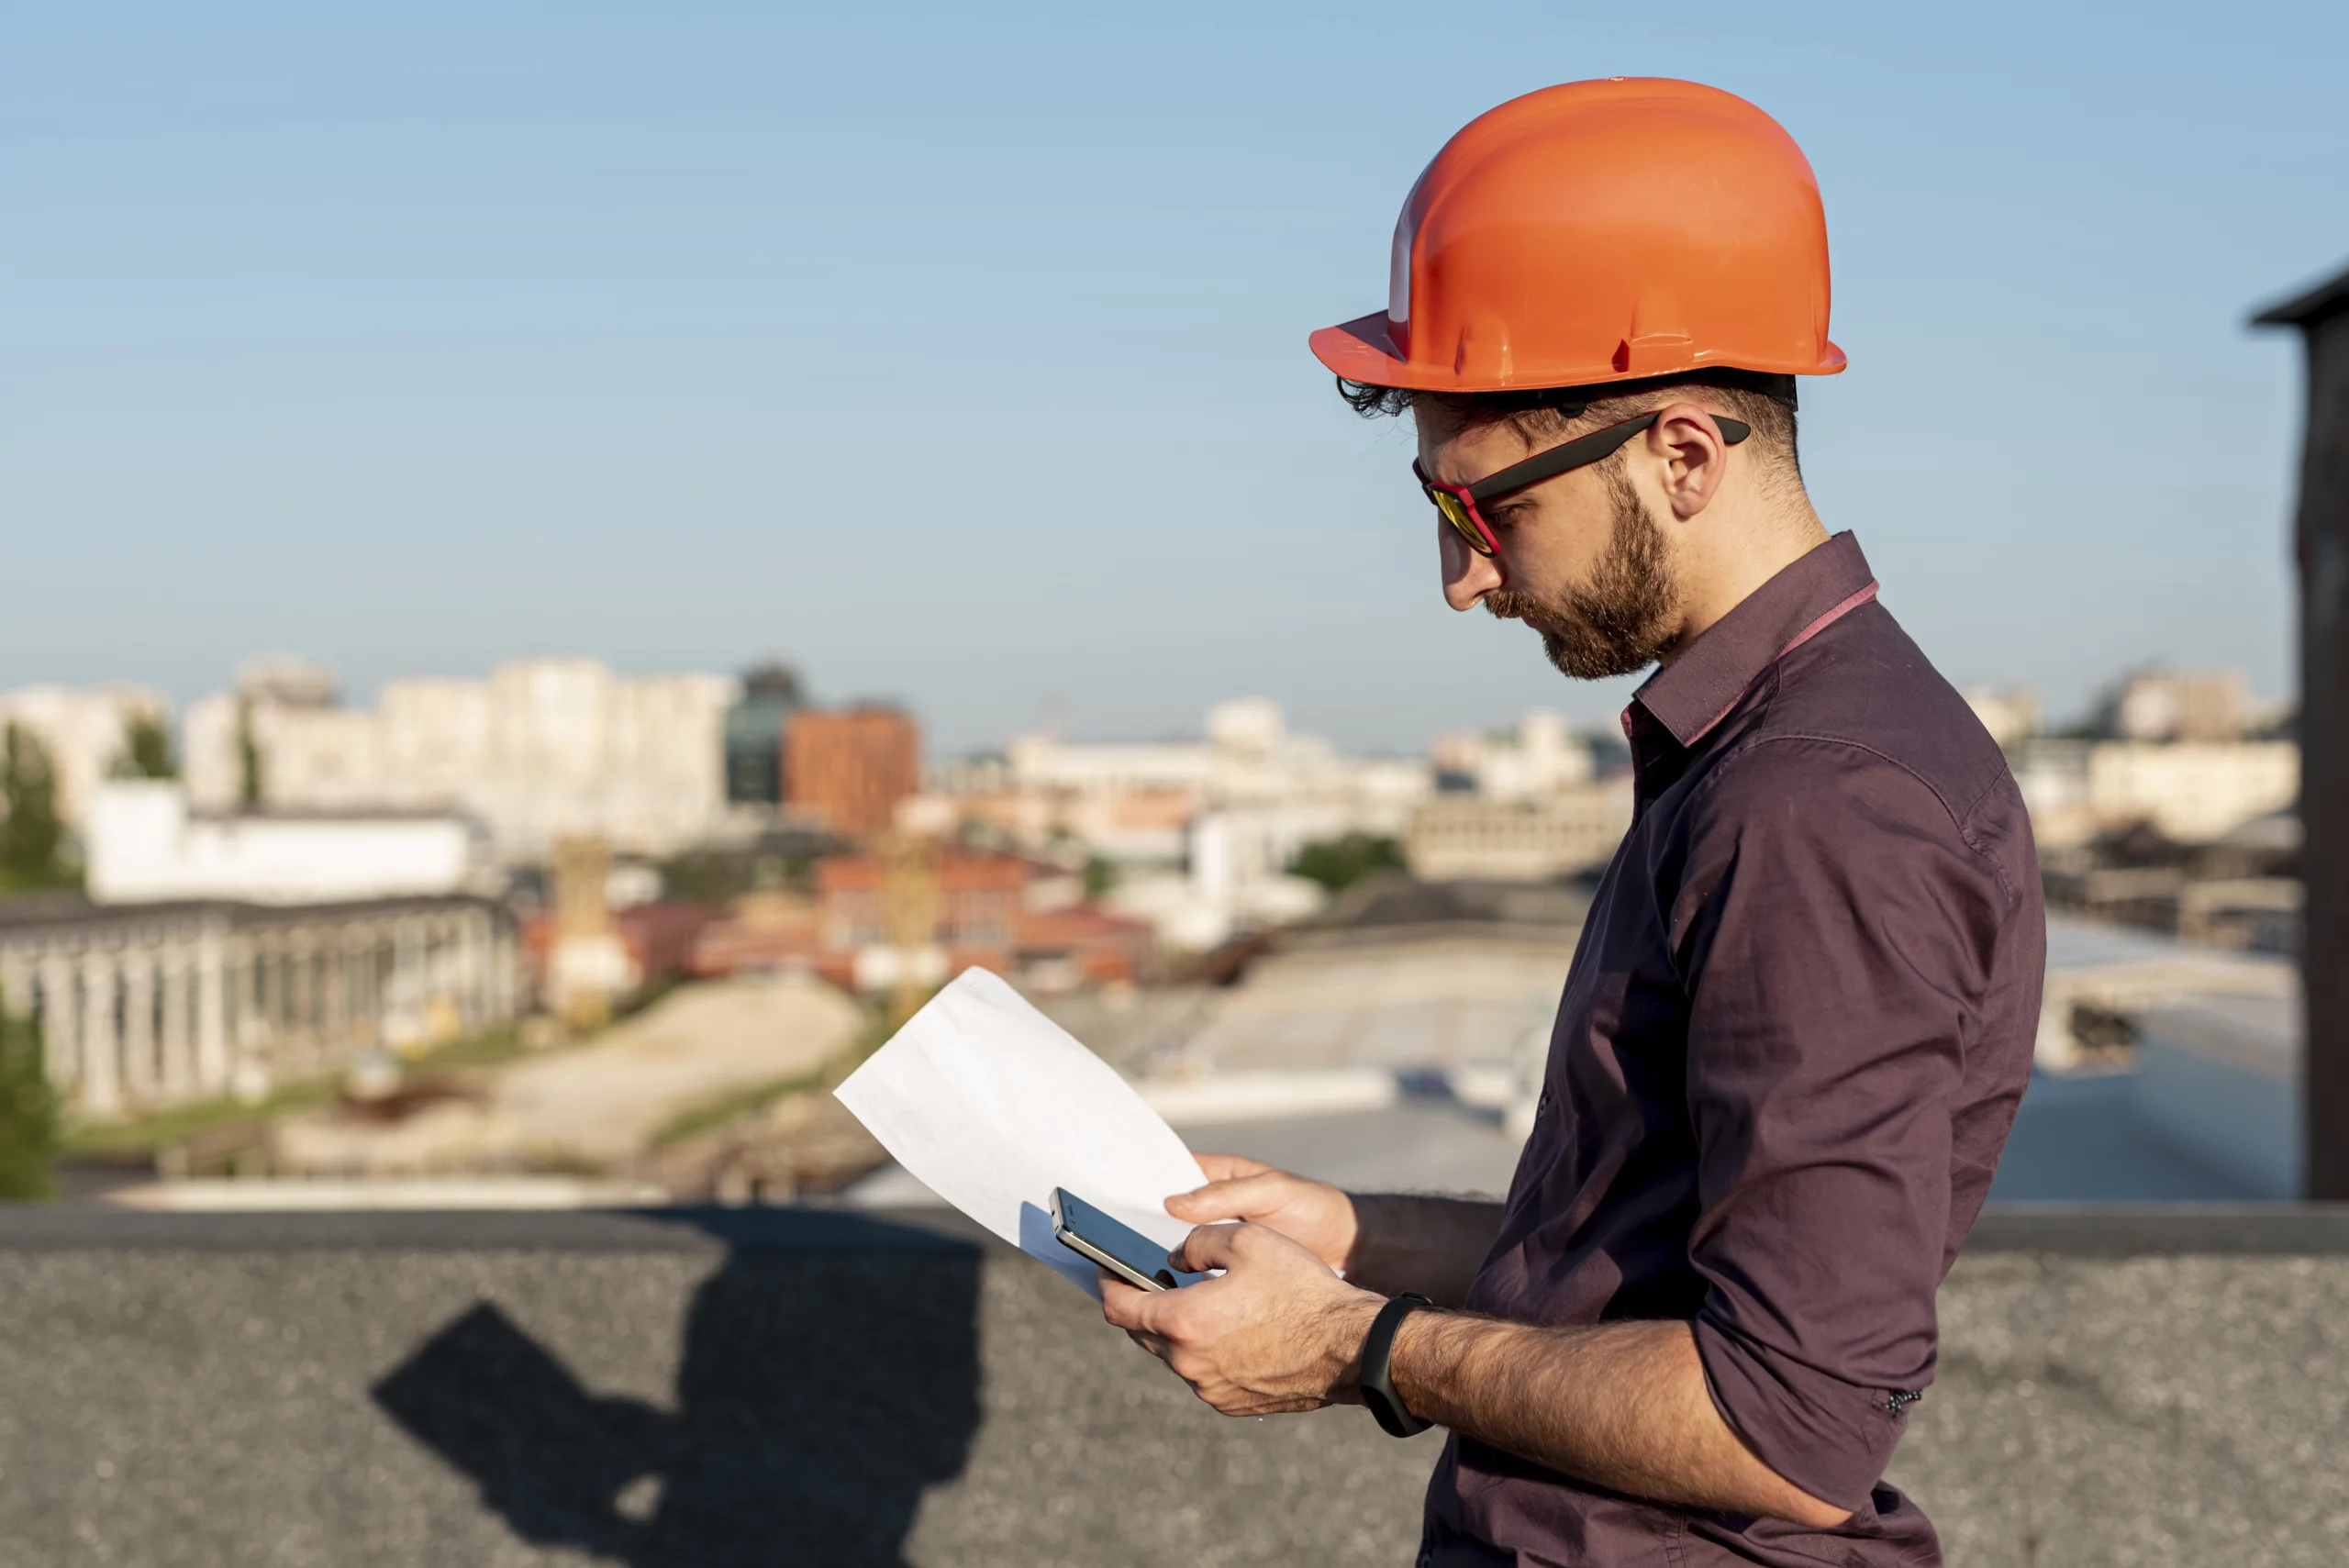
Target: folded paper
column 991, row 1104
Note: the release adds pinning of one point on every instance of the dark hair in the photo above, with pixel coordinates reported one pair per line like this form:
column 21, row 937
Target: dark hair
column 1764, row 401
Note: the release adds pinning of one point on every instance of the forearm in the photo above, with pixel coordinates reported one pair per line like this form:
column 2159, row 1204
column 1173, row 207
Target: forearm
column 1623, row 1404
column 1430, row 1245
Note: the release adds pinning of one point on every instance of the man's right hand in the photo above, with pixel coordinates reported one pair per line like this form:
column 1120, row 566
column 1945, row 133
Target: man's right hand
column 1315, row 1213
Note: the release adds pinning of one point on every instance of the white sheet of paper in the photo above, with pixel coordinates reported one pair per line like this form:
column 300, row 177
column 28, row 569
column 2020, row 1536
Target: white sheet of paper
column 991, row 1104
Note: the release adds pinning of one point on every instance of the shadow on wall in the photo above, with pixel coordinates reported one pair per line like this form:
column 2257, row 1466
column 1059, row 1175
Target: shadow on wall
column 817, row 1397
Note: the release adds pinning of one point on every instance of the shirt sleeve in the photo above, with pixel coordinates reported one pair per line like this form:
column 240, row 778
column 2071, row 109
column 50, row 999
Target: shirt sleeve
column 1835, row 932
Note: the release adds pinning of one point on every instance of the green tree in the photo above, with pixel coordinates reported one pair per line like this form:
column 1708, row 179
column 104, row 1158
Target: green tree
column 1338, row 863
column 146, row 749
column 32, row 835
column 28, row 1132
column 1100, row 875
column 249, row 780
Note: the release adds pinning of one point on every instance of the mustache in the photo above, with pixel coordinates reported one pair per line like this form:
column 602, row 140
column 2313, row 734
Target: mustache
column 1503, row 603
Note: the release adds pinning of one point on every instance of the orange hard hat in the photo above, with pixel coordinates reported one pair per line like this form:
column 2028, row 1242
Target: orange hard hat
column 1601, row 231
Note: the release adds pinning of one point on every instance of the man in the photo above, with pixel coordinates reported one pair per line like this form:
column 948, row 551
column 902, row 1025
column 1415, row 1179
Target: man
column 1800, row 1020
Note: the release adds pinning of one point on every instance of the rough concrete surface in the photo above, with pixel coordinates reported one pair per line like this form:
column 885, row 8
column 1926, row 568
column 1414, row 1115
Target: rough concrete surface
column 2146, row 1411
column 871, row 1396
column 197, row 1393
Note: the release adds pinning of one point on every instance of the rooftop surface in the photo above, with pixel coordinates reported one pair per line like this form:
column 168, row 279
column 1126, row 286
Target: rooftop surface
column 749, row 1388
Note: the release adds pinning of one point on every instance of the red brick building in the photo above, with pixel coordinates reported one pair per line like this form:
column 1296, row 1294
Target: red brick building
column 849, row 767
column 661, row 938
column 980, row 897
column 988, row 914
column 762, row 932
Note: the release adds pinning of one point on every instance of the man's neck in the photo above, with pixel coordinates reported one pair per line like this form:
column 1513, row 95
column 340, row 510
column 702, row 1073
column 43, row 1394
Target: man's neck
column 1752, row 552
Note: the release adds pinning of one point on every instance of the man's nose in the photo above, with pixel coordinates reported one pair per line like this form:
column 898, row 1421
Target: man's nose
column 1467, row 575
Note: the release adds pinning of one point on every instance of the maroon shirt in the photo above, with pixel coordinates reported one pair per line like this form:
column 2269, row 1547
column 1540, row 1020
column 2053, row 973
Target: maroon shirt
column 1791, row 1044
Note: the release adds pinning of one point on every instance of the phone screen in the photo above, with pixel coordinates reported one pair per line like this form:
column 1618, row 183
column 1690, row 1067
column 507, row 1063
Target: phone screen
column 1115, row 1245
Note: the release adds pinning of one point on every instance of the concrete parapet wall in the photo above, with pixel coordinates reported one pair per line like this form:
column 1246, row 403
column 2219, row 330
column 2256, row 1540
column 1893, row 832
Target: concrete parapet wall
column 770, row 1387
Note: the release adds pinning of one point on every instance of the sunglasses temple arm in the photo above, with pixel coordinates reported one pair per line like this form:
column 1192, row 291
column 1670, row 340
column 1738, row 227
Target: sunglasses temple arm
column 1577, row 453
column 1584, row 450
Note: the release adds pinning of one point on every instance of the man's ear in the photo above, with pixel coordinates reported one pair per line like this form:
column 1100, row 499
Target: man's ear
column 1692, row 459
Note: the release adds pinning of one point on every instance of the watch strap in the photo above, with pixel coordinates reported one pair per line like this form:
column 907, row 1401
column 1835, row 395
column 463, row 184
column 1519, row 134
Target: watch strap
column 1377, row 1381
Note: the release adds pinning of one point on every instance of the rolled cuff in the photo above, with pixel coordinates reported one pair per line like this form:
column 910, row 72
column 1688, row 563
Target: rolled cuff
column 1830, row 1438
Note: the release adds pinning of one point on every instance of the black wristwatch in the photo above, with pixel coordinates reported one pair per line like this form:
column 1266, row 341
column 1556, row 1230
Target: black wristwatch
column 1377, row 1385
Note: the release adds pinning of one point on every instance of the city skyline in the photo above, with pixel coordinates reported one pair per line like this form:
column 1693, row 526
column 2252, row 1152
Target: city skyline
column 332, row 336
column 1055, row 718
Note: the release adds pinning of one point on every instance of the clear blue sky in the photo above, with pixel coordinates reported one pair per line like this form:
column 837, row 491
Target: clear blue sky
column 957, row 352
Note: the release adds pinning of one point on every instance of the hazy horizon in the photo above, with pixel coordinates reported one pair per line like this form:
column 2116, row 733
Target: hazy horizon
column 960, row 357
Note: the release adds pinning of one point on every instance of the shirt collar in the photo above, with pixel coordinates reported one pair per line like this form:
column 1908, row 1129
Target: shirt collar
column 1696, row 691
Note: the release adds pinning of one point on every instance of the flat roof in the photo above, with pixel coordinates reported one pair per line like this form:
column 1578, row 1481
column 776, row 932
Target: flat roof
column 75, row 909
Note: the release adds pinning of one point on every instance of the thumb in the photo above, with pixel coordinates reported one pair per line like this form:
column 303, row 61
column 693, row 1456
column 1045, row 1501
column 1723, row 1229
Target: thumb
column 1208, row 1246
column 1225, row 1167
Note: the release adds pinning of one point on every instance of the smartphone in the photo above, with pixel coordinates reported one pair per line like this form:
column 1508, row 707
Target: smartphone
column 1121, row 1249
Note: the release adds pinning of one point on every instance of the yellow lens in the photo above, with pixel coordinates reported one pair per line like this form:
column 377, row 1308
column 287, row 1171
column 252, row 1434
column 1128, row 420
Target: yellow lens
column 1456, row 513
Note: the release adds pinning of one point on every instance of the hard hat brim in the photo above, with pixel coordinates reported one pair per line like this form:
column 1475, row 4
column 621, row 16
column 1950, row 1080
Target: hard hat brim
column 1363, row 350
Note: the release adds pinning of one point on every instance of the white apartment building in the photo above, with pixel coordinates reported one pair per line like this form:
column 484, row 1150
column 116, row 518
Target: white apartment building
column 85, row 731
column 541, row 750
column 1539, row 758
column 1275, row 791
column 2165, row 705
column 2193, row 792
column 1231, row 811
column 144, row 846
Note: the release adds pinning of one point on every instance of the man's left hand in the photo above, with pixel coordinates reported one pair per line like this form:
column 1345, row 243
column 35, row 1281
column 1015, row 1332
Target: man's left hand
column 1277, row 1331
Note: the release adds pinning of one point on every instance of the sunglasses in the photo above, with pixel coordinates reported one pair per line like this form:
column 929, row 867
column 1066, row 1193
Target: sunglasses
column 1459, row 502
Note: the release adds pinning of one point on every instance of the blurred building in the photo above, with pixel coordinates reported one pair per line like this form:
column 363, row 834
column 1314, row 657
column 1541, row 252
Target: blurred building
column 2190, row 792
column 1538, row 758
column 1233, row 881
column 2240, row 891
column 143, row 1007
column 1135, row 803
column 2010, row 714
column 604, row 934
column 762, row 931
column 2320, row 547
column 1464, row 837
column 755, row 724
column 85, row 732
column 224, row 954
column 1202, row 832
column 540, row 751
column 143, row 845
column 848, row 768
column 1521, row 805
column 2167, row 704
column 1023, row 918
column 586, row 967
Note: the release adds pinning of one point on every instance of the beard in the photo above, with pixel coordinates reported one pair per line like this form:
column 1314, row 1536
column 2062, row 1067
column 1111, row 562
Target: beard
column 1623, row 619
